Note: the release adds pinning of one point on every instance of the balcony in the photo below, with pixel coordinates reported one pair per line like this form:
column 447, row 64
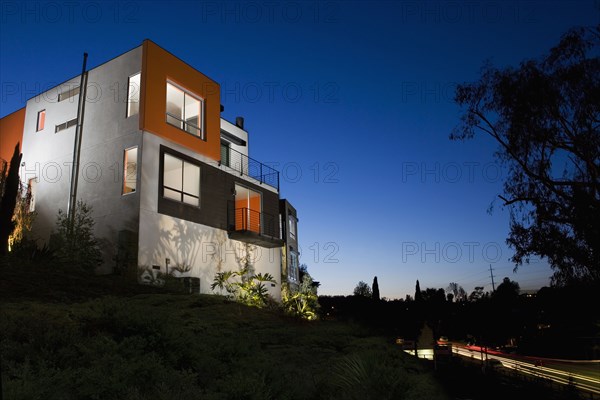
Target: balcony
column 251, row 226
column 249, row 167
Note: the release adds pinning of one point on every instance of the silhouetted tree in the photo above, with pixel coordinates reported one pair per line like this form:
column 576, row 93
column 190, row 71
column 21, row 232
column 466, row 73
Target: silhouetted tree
column 418, row 297
column 362, row 289
column 476, row 294
column 9, row 200
column 507, row 290
column 375, row 295
column 544, row 116
column 431, row 295
column 458, row 293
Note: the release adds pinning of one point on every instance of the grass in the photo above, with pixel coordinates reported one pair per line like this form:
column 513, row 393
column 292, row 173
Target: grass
column 70, row 336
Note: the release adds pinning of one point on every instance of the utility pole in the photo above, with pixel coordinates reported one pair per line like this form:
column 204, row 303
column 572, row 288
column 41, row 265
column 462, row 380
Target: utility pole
column 72, row 204
column 492, row 275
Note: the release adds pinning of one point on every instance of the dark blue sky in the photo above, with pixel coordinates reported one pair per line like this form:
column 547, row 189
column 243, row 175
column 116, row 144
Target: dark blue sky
column 351, row 101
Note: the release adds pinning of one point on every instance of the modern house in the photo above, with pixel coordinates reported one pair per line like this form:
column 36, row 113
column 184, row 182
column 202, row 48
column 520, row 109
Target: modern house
column 170, row 182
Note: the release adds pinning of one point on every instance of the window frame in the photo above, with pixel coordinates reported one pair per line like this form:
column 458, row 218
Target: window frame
column 67, row 94
column 125, row 163
column 226, row 146
column 65, row 125
column 293, row 268
column 184, row 159
column 129, row 94
column 32, row 191
column 292, row 223
column 43, row 120
column 201, row 112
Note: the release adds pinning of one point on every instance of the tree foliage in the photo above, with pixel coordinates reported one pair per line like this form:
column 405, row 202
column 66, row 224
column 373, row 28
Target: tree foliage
column 302, row 302
column 507, row 290
column 418, row 297
column 375, row 289
column 8, row 201
column 75, row 243
column 457, row 292
column 545, row 117
column 363, row 289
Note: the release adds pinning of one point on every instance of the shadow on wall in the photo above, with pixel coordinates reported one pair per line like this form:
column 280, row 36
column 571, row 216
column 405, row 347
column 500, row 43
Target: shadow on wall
column 190, row 249
column 195, row 250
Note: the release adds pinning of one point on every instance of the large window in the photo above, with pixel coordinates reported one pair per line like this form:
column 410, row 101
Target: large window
column 133, row 95
column 181, row 180
column 185, row 110
column 293, row 267
column 41, row 120
column 292, row 226
column 248, row 205
column 130, row 170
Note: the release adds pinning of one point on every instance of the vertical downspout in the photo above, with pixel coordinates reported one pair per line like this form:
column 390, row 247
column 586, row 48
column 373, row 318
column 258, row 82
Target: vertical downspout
column 72, row 205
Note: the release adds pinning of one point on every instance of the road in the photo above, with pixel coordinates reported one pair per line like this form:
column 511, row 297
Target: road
column 585, row 375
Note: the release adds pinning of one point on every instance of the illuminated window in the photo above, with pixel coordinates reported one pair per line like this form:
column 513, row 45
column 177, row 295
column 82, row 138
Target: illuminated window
column 133, row 95
column 293, row 269
column 185, row 110
column 181, row 180
column 292, row 226
column 32, row 189
column 248, row 205
column 41, row 120
column 68, row 94
column 130, row 170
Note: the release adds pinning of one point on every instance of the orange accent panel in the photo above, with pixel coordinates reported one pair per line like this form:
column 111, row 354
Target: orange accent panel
column 241, row 214
column 254, row 222
column 160, row 66
column 11, row 133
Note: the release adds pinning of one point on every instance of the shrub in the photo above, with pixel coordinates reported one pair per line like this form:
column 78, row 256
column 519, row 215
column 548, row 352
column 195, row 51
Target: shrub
column 250, row 289
column 303, row 302
column 75, row 243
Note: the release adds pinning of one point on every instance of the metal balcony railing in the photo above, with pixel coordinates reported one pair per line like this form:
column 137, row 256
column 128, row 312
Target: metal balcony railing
column 249, row 166
column 246, row 219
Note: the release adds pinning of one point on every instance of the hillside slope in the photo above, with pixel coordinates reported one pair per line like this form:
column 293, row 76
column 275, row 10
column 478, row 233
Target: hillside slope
column 68, row 336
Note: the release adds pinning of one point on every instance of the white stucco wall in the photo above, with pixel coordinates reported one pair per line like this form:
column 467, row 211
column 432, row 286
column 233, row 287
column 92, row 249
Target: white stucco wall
column 107, row 132
column 202, row 249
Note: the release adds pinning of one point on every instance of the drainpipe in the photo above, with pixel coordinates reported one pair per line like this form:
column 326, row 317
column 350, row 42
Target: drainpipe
column 72, row 205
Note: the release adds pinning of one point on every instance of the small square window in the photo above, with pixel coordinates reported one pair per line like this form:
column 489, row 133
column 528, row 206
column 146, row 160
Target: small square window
column 41, row 120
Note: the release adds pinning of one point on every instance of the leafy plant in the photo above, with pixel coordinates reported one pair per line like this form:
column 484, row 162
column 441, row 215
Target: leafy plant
column 302, row 302
column 75, row 242
column 250, row 289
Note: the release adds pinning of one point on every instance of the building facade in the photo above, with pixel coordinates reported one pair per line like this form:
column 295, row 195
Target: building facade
column 170, row 182
column 290, row 253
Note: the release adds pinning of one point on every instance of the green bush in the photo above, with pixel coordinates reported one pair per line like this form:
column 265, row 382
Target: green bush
column 302, row 302
column 249, row 289
column 75, row 243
